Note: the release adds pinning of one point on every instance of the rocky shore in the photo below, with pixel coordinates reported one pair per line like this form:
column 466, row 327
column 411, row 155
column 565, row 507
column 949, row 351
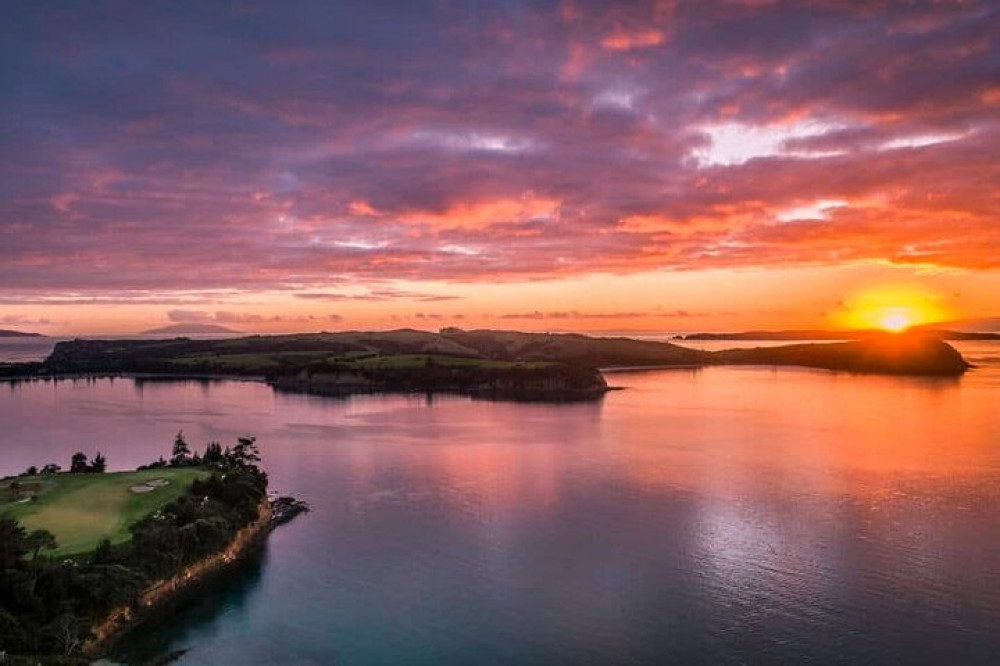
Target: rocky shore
column 161, row 594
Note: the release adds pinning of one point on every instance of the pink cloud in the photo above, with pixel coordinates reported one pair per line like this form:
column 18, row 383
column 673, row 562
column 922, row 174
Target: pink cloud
column 533, row 143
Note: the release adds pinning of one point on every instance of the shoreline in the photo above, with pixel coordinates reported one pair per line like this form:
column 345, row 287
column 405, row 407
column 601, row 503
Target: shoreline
column 638, row 368
column 124, row 619
column 343, row 391
column 151, row 376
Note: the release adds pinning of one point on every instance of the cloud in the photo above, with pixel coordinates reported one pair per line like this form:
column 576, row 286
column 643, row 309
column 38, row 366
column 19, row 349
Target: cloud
column 21, row 320
column 379, row 294
column 576, row 314
column 627, row 41
column 189, row 316
column 228, row 317
column 532, row 142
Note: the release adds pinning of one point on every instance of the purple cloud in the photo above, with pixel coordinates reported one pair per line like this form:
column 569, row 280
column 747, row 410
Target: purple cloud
column 170, row 151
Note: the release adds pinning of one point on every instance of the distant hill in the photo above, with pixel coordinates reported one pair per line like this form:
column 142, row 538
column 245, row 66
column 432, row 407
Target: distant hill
column 192, row 329
column 7, row 333
column 977, row 325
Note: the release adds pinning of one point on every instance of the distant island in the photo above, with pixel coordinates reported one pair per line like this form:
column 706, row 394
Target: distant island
column 7, row 333
column 482, row 363
column 191, row 329
column 821, row 334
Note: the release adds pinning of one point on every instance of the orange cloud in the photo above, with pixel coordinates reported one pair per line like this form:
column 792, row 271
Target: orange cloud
column 485, row 214
column 628, row 41
column 361, row 209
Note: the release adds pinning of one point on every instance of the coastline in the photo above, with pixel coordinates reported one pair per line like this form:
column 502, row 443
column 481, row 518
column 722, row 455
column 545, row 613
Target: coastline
column 636, row 368
column 160, row 594
column 147, row 376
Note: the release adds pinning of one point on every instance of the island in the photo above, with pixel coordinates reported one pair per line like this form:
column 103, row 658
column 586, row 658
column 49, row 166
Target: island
column 191, row 329
column 824, row 334
column 508, row 365
column 8, row 333
column 69, row 587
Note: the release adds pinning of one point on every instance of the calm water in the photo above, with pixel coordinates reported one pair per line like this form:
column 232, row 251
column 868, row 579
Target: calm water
column 739, row 515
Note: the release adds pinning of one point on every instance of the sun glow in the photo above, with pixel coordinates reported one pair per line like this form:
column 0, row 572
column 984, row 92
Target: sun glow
column 892, row 309
column 896, row 321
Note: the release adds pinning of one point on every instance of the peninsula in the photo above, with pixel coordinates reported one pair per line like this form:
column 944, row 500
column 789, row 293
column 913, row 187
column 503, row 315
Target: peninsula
column 8, row 333
column 483, row 363
column 70, row 586
column 824, row 334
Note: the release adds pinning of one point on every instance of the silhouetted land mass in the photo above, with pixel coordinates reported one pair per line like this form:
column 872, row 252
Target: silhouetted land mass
column 490, row 364
column 8, row 333
column 820, row 334
column 191, row 329
column 886, row 354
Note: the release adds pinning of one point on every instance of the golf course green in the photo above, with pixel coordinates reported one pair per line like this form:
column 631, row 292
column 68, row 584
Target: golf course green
column 82, row 509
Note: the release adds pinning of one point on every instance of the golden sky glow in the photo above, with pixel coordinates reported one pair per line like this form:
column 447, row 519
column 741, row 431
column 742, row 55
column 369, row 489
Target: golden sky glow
column 820, row 297
column 894, row 308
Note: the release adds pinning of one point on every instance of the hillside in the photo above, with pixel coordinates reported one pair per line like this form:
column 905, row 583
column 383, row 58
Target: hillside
column 8, row 333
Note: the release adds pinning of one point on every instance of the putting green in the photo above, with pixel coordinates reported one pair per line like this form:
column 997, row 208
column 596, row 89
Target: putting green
column 82, row 509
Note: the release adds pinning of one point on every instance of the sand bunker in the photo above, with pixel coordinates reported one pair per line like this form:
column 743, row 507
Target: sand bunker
column 149, row 486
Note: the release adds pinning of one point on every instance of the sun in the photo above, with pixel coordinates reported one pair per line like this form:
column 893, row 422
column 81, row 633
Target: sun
column 892, row 308
column 895, row 321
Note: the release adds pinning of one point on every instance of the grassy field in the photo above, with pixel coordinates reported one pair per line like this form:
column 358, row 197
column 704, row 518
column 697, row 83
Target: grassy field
column 420, row 361
column 82, row 509
column 262, row 363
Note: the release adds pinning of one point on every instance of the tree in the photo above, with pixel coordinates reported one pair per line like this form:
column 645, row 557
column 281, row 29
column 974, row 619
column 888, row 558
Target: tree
column 39, row 540
column 51, row 468
column 213, row 454
column 31, row 471
column 99, row 464
column 12, row 548
column 245, row 453
column 78, row 463
column 181, row 451
column 66, row 631
column 103, row 553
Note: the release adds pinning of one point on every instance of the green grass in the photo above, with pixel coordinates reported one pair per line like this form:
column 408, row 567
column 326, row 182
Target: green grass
column 82, row 509
column 420, row 360
column 247, row 362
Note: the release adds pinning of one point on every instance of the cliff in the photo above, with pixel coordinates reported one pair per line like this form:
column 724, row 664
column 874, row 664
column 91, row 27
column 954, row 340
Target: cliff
column 163, row 592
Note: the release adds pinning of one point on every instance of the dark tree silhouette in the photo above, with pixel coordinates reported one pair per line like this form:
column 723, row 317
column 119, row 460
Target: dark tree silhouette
column 213, row 454
column 181, row 451
column 245, row 453
column 39, row 540
column 78, row 463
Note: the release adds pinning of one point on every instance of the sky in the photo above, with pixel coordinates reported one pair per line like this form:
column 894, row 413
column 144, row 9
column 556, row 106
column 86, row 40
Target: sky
column 672, row 166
